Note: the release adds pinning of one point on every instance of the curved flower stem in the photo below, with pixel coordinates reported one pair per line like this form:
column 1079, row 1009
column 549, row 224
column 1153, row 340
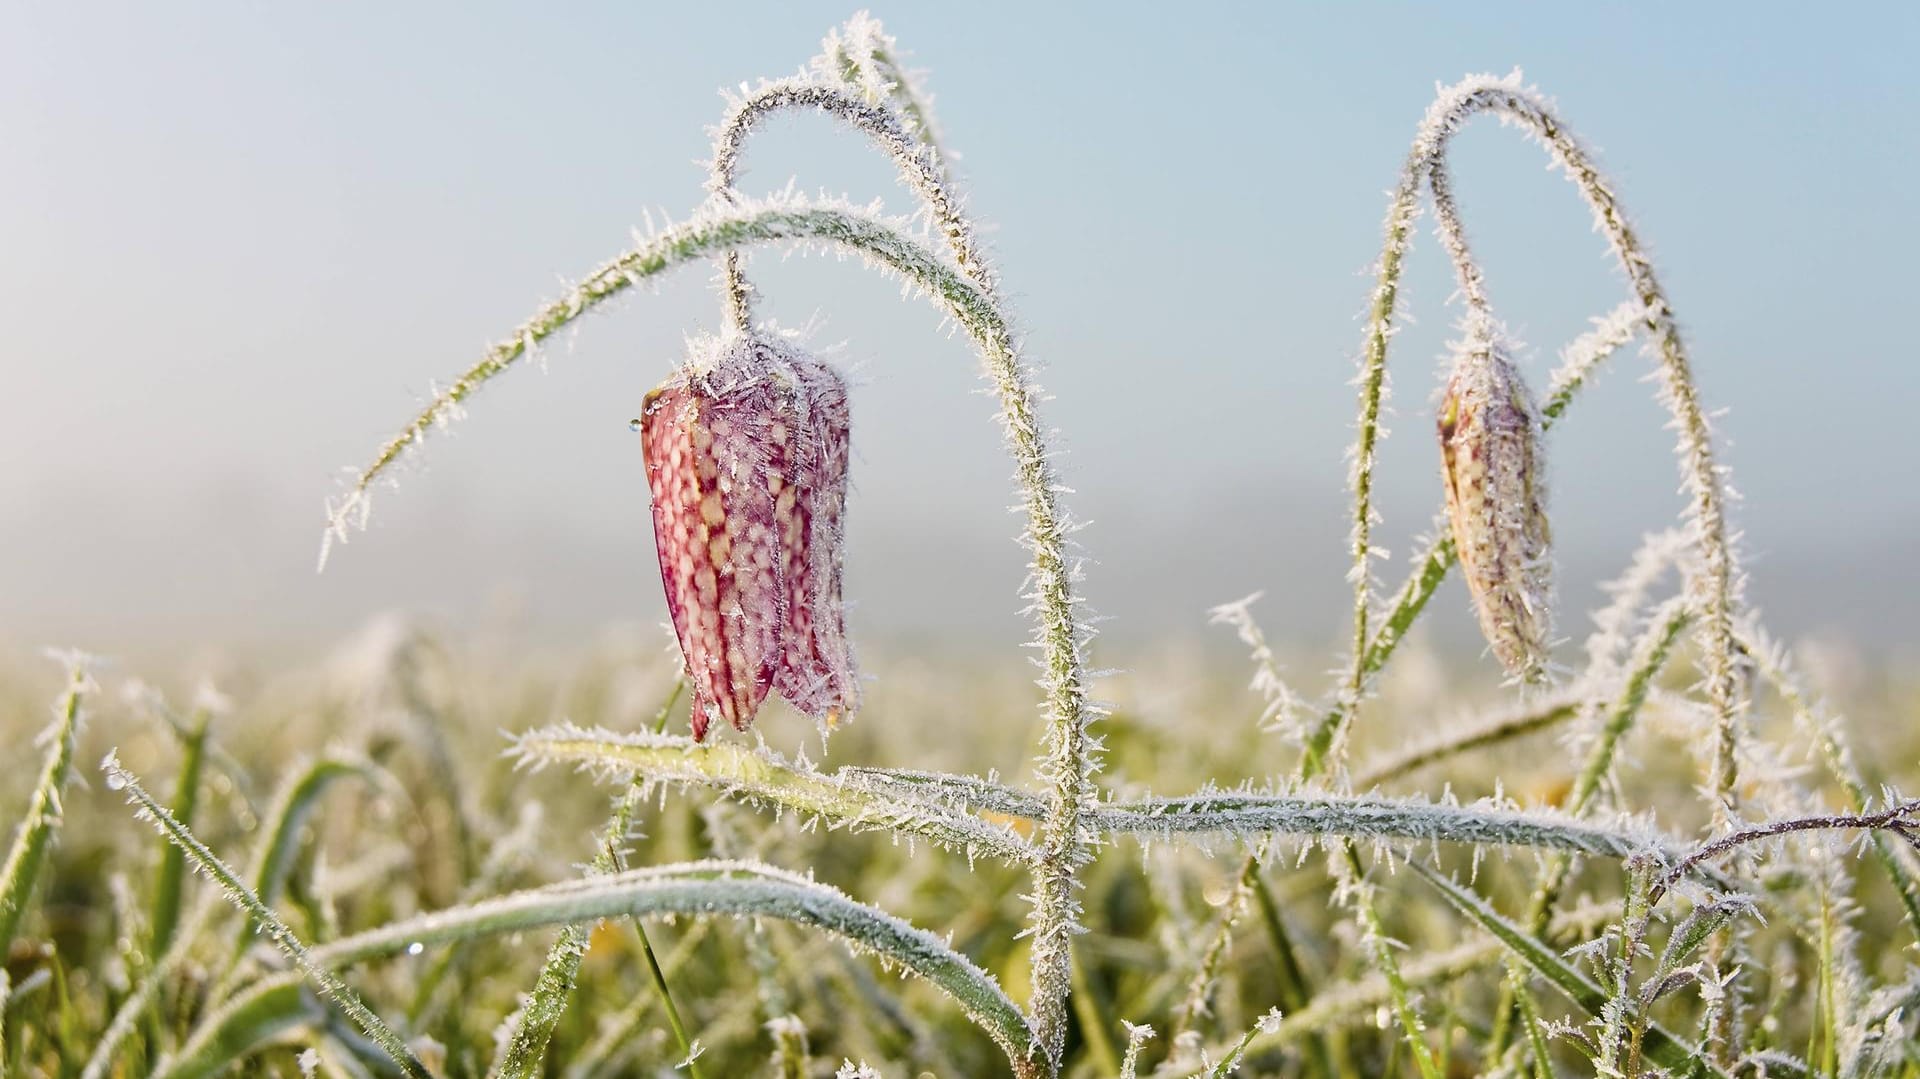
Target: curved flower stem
column 868, row 59
column 1453, row 237
column 1719, row 579
column 1719, row 583
column 1716, row 587
column 918, row 162
column 704, row 235
column 1070, row 761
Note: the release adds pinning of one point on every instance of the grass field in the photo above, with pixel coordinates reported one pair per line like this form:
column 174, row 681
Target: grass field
column 415, row 807
column 1664, row 845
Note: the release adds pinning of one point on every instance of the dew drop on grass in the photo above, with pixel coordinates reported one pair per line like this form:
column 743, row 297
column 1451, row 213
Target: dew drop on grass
column 633, row 425
column 416, row 948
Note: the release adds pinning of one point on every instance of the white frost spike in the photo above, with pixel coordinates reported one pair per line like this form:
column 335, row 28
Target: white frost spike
column 1283, row 712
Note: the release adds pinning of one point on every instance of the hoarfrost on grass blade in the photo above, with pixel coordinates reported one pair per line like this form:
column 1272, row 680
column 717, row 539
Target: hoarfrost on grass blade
column 118, row 778
column 736, row 888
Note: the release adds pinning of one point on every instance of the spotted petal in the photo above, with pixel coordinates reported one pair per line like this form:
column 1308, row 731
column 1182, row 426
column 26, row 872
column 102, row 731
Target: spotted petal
column 746, row 448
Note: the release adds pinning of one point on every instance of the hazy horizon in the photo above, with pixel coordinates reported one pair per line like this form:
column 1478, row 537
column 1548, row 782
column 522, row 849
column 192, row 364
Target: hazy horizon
column 243, row 243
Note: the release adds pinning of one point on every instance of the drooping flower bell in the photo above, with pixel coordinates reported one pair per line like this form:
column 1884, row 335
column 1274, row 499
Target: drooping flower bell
column 1490, row 452
column 746, row 450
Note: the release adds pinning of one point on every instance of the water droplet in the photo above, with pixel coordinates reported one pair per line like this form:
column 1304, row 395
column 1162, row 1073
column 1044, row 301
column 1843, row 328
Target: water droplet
column 416, row 948
column 116, row 781
column 633, row 425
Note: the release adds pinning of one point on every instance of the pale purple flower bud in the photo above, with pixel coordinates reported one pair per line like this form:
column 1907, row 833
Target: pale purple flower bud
column 1490, row 453
column 746, row 451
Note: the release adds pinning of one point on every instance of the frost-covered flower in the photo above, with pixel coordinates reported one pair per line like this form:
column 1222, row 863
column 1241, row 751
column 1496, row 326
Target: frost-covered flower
column 1491, row 455
column 746, row 452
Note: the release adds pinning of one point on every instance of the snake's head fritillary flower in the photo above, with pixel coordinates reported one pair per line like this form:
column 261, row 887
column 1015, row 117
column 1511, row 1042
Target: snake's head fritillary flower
column 1490, row 451
column 746, row 451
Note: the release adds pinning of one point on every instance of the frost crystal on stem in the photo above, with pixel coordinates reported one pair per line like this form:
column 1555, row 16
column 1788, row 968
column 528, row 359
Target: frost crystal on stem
column 1496, row 499
column 746, row 453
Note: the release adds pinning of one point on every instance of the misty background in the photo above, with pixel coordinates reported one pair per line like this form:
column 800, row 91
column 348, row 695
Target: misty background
column 240, row 243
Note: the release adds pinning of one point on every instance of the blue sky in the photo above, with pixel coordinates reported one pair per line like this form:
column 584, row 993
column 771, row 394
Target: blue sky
column 239, row 242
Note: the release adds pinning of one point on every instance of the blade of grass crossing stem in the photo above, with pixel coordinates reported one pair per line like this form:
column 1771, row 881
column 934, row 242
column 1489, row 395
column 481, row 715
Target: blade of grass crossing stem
column 687, row 1044
column 615, row 1035
column 1530, row 1017
column 1093, row 1028
column 241, row 896
column 526, row 1051
column 1293, row 982
column 639, row 926
column 1660, row 1046
column 171, row 875
column 35, row 834
column 1383, row 959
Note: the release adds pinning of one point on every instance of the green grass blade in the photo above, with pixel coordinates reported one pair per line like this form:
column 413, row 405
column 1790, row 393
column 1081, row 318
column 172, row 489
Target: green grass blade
column 1530, row 720
column 267, row 1009
column 241, row 896
column 847, row 799
column 526, row 1050
column 1660, row 1046
column 1530, row 1019
column 941, row 807
column 292, row 808
column 171, row 875
column 739, row 889
column 44, row 812
column 689, row 1046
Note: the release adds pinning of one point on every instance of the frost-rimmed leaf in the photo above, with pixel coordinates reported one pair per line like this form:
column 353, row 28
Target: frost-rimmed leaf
column 118, row 778
column 940, row 806
column 1659, row 1045
column 171, row 875
column 293, row 807
column 709, row 231
column 44, row 812
column 265, row 1010
column 740, row 889
column 759, row 776
column 1535, row 716
column 1700, row 923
